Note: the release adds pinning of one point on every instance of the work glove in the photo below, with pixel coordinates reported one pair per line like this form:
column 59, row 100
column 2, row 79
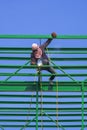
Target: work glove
column 54, row 35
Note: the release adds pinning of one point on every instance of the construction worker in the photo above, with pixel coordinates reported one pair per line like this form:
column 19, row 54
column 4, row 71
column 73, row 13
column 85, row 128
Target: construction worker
column 39, row 57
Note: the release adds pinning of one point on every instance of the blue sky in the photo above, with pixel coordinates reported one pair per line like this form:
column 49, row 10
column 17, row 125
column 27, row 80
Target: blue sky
column 65, row 17
column 43, row 16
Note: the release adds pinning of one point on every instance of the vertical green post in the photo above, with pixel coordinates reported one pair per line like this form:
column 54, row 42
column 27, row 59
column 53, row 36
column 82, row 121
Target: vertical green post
column 37, row 107
column 82, row 128
column 38, row 87
column 83, row 83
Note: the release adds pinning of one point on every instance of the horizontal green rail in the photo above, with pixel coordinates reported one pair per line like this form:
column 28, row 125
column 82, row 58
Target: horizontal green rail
column 42, row 36
column 34, row 74
column 24, row 49
column 53, row 59
column 51, row 111
column 39, row 121
column 51, row 52
column 27, row 102
column 65, row 83
column 34, row 96
column 62, row 115
column 44, row 126
column 33, row 66
column 44, row 89
column 44, row 109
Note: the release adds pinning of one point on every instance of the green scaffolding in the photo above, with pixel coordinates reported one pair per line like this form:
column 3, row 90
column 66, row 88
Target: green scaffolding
column 40, row 115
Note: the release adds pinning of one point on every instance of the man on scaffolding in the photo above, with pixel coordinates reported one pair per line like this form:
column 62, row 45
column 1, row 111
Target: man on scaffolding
column 39, row 57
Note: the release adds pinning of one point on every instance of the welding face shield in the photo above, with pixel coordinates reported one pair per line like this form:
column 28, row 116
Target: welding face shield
column 39, row 62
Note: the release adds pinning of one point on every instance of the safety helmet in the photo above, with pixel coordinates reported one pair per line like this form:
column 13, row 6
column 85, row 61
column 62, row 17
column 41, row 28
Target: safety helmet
column 34, row 46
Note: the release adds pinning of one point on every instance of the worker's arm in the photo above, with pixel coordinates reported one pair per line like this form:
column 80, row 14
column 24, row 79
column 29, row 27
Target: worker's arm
column 44, row 45
column 33, row 60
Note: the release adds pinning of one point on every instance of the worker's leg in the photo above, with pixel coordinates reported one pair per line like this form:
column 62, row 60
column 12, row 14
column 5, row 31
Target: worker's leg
column 52, row 71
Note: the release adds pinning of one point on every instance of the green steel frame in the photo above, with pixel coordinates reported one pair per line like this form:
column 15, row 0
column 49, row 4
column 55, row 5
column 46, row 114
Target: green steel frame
column 63, row 86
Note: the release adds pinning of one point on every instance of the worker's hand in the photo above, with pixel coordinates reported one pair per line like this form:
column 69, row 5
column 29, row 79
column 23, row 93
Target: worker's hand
column 33, row 63
column 53, row 34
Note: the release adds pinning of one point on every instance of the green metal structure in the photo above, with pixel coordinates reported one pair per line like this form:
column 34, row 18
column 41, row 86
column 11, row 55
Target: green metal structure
column 33, row 104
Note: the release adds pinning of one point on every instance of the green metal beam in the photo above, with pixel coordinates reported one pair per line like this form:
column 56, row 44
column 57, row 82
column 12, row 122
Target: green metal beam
column 44, row 109
column 42, row 36
column 45, row 126
column 46, row 75
column 49, row 121
column 11, row 95
column 33, row 66
column 51, row 52
column 50, row 49
column 52, row 115
column 26, row 102
column 53, row 59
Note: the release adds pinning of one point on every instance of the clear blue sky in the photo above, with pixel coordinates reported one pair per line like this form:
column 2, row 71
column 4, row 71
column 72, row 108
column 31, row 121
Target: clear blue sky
column 43, row 16
column 65, row 17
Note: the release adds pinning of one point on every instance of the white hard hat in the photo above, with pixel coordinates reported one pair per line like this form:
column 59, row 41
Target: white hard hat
column 34, row 46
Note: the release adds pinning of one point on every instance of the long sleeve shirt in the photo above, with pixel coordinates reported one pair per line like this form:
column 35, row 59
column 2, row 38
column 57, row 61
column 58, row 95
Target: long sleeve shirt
column 44, row 57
